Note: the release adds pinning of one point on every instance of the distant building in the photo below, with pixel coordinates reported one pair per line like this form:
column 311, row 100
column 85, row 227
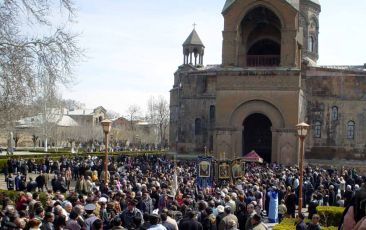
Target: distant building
column 58, row 122
column 64, row 118
column 268, row 82
column 138, row 131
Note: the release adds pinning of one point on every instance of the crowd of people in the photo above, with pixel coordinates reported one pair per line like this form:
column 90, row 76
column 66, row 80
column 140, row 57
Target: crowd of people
column 152, row 192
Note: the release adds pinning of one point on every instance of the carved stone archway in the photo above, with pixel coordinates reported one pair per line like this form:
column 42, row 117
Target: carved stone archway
column 248, row 108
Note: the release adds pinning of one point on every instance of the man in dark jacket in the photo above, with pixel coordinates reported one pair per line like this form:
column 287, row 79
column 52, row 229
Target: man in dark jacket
column 300, row 225
column 10, row 182
column 128, row 215
column 190, row 222
column 314, row 224
column 312, row 206
column 32, row 185
column 41, row 181
column 291, row 202
column 146, row 204
column 332, row 196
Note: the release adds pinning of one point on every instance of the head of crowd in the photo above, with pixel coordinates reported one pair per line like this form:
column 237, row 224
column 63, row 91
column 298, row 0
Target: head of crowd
column 154, row 192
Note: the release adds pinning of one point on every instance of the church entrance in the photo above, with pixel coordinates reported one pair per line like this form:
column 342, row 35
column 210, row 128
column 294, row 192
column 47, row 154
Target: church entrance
column 257, row 135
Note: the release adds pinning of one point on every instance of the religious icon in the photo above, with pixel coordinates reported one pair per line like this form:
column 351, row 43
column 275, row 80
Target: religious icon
column 242, row 164
column 224, row 171
column 204, row 169
column 236, row 170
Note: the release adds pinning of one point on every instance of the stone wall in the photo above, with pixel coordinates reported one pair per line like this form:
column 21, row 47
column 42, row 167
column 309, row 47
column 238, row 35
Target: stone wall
column 334, row 99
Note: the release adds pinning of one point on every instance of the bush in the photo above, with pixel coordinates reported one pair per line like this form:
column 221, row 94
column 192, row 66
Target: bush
column 14, row 195
column 330, row 216
column 56, row 155
column 289, row 224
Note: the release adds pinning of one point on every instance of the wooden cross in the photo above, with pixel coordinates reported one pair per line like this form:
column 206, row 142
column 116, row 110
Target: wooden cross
column 194, row 25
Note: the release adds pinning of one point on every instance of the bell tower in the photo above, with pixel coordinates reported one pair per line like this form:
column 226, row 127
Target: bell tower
column 261, row 33
column 193, row 50
column 309, row 25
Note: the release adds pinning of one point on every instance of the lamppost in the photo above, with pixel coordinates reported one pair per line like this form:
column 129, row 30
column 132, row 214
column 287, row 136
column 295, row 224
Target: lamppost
column 178, row 117
column 302, row 132
column 106, row 124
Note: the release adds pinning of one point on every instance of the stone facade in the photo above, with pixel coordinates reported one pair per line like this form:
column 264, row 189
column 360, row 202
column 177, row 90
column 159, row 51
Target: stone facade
column 267, row 83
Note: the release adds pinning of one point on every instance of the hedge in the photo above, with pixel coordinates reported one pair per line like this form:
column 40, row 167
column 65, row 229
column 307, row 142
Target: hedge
column 289, row 224
column 329, row 215
column 56, row 156
column 14, row 195
column 63, row 153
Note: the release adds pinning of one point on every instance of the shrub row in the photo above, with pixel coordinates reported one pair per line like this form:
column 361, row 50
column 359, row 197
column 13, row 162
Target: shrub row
column 329, row 215
column 55, row 156
column 289, row 224
column 62, row 153
column 14, row 195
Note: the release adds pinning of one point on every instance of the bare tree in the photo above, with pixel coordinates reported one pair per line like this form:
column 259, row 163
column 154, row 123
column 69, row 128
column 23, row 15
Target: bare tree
column 133, row 113
column 158, row 115
column 16, row 138
column 112, row 114
column 51, row 112
column 34, row 140
column 73, row 104
column 28, row 58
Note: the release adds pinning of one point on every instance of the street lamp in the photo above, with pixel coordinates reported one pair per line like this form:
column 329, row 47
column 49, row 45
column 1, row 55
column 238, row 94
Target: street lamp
column 302, row 132
column 106, row 125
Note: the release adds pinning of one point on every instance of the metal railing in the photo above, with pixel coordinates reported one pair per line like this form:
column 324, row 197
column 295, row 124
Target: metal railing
column 263, row 60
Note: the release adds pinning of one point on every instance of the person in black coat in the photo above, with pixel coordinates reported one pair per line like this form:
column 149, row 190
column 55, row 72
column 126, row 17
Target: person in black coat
column 291, row 201
column 41, row 181
column 32, row 185
column 208, row 220
column 242, row 216
column 314, row 224
column 332, row 196
column 190, row 222
column 10, row 184
column 312, row 206
column 300, row 225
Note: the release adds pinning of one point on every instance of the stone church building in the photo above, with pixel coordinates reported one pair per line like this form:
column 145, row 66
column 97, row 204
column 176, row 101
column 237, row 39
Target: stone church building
column 267, row 83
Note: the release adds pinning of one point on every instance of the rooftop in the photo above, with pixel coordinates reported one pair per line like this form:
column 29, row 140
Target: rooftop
column 193, row 39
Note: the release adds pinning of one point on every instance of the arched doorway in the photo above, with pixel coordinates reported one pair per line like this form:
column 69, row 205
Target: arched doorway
column 257, row 135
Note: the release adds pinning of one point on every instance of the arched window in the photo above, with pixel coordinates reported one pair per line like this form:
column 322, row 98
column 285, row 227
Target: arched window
column 212, row 113
column 351, row 130
column 311, row 44
column 334, row 113
column 318, row 129
column 198, row 126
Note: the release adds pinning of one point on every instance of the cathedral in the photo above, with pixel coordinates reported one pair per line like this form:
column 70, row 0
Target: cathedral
column 267, row 83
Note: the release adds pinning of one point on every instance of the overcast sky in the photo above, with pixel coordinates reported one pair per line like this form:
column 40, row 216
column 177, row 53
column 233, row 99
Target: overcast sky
column 133, row 47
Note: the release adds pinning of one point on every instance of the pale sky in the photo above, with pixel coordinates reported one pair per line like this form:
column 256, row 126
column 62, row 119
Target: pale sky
column 133, row 47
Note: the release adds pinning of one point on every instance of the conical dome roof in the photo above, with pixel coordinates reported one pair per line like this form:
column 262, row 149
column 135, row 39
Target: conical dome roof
column 193, row 39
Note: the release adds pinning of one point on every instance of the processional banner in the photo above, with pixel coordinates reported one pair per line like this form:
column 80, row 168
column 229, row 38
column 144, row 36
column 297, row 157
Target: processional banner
column 204, row 172
column 238, row 168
